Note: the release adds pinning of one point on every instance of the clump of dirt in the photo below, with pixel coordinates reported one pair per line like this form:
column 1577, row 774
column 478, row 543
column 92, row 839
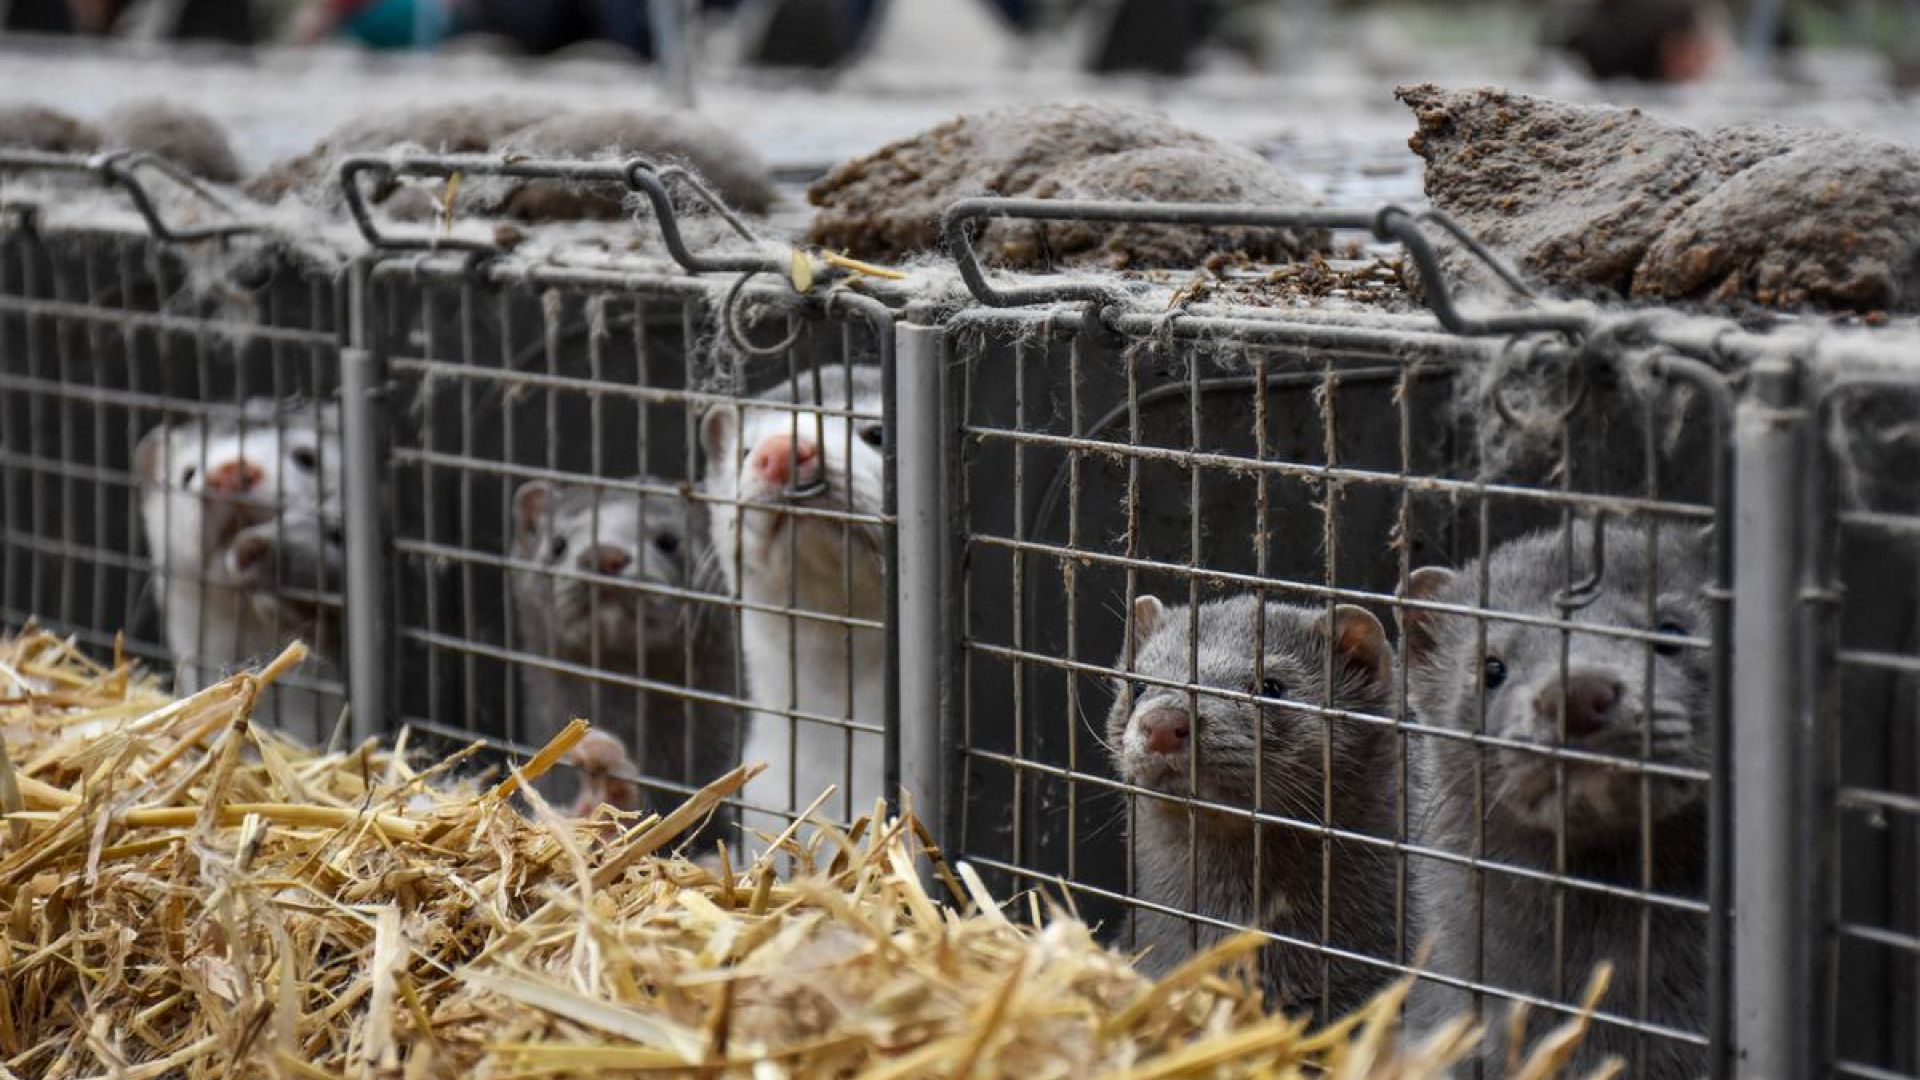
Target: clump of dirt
column 1835, row 225
column 886, row 206
column 1574, row 195
column 512, row 126
column 180, row 134
column 1372, row 282
column 35, row 127
column 725, row 162
column 462, row 128
column 1612, row 202
column 1746, row 145
column 1224, row 174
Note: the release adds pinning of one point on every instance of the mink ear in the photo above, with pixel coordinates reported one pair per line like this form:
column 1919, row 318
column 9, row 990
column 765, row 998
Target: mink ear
column 146, row 456
column 1417, row 626
column 530, row 505
column 1359, row 639
column 1147, row 611
column 716, row 432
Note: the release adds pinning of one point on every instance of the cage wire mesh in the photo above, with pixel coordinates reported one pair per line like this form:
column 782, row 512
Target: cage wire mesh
column 561, row 528
column 1249, row 465
column 171, row 463
column 1865, row 545
column 1206, row 676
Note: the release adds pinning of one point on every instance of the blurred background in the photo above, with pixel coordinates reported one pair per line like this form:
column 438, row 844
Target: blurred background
column 810, row 82
column 1647, row 40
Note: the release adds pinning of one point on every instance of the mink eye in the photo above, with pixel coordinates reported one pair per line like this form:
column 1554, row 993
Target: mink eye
column 1138, row 690
column 1271, row 687
column 305, row 458
column 1673, row 629
column 1496, row 672
column 187, row 477
column 667, row 543
column 557, row 548
column 874, row 435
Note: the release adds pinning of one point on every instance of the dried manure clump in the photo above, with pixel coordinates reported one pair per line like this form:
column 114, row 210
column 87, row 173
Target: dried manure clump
column 1311, row 282
column 49, row 131
column 1832, row 225
column 1573, row 195
column 1612, row 202
column 190, row 895
column 726, row 163
column 461, row 128
column 1225, row 174
column 180, row 134
column 886, row 206
column 514, row 127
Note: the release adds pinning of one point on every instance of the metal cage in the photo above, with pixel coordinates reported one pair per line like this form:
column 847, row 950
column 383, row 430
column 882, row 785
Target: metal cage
column 592, row 386
column 1862, row 772
column 1220, row 460
column 108, row 338
column 1717, row 531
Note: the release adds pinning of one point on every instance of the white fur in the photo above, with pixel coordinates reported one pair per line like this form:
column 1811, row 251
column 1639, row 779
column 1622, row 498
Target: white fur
column 794, row 664
column 214, row 622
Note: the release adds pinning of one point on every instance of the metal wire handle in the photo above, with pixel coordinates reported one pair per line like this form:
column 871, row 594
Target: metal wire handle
column 1392, row 223
column 445, row 166
column 1582, row 593
column 639, row 175
column 123, row 168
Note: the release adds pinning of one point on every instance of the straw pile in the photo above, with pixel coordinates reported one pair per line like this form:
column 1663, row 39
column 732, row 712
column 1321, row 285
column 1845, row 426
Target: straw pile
column 185, row 895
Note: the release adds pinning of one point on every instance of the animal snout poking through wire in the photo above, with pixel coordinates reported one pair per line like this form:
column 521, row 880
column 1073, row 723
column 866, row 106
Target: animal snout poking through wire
column 1165, row 730
column 235, row 477
column 1589, row 700
column 606, row 559
column 792, row 463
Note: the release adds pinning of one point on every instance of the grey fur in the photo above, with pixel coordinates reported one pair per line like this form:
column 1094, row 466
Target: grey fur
column 1363, row 795
column 627, row 632
column 1603, row 807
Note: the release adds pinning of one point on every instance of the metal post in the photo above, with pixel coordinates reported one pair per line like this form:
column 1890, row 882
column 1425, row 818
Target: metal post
column 673, row 46
column 920, row 472
column 1773, row 911
column 362, row 398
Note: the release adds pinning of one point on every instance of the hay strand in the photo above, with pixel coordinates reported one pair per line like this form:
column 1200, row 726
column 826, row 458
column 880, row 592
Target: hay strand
column 185, row 895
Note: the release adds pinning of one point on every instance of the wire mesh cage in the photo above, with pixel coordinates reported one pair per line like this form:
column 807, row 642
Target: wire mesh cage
column 1864, row 762
column 1178, row 673
column 1405, row 639
column 578, row 533
column 172, row 466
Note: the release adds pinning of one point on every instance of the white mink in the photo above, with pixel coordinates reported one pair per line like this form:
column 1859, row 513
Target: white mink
column 803, row 576
column 242, row 521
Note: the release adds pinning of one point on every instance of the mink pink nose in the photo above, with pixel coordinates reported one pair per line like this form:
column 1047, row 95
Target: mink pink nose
column 606, row 559
column 780, row 459
column 236, row 477
column 1588, row 698
column 1165, row 730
